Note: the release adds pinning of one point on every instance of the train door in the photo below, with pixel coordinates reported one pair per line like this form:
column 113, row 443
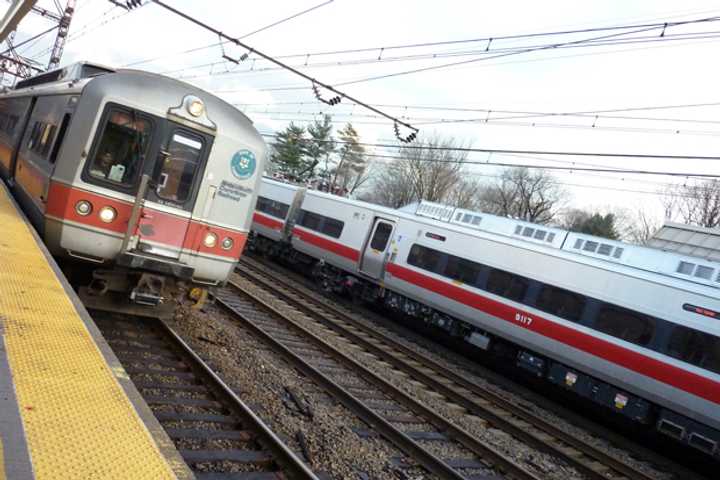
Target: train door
column 373, row 257
column 175, row 177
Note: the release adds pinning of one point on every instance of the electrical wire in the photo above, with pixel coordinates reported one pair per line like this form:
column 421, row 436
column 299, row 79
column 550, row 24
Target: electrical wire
column 315, row 83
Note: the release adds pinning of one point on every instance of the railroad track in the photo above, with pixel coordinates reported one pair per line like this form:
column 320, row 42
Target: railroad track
column 499, row 412
column 215, row 432
column 427, row 440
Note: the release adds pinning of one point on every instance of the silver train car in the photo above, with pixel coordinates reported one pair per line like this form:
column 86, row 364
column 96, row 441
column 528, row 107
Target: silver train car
column 634, row 329
column 144, row 177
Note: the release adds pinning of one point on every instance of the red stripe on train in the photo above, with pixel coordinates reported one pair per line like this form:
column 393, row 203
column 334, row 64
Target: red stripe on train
column 325, row 244
column 163, row 228
column 266, row 221
column 637, row 362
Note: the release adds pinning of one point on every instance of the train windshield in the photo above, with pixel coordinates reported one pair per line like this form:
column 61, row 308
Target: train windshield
column 178, row 167
column 123, row 145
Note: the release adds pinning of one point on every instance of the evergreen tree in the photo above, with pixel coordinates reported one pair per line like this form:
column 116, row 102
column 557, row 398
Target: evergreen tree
column 320, row 146
column 289, row 155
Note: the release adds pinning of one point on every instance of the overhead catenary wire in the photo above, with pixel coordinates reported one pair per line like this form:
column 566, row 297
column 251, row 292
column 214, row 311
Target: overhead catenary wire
column 315, row 82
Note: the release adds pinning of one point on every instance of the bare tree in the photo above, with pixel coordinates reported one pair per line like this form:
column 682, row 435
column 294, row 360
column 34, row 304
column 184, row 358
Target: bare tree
column 428, row 170
column 696, row 203
column 531, row 195
column 636, row 226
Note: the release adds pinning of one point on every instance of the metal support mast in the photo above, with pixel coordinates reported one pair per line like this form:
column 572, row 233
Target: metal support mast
column 60, row 39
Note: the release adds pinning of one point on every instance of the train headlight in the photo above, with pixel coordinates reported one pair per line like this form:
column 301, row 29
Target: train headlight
column 83, row 207
column 107, row 214
column 227, row 243
column 195, row 106
column 210, row 240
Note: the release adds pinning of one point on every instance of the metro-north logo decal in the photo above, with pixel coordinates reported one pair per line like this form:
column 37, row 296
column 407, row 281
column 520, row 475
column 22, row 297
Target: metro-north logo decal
column 243, row 164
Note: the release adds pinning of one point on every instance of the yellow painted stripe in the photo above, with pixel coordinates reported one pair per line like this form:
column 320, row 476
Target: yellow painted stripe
column 78, row 421
column 2, row 461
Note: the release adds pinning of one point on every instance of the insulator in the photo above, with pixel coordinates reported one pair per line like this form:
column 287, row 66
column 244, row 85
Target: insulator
column 133, row 4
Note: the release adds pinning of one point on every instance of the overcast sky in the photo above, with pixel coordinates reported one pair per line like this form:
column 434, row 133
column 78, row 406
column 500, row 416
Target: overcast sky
column 591, row 78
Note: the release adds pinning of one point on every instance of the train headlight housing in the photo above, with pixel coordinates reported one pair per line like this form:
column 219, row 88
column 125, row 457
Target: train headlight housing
column 195, row 106
column 227, row 243
column 84, row 208
column 107, row 214
column 210, row 240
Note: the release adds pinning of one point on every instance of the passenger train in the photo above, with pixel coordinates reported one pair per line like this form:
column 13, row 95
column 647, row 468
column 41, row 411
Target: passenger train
column 145, row 178
column 634, row 329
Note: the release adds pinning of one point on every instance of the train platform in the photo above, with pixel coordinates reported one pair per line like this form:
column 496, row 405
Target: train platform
column 67, row 408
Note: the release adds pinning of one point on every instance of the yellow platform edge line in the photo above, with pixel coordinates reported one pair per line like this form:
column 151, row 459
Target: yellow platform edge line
column 77, row 419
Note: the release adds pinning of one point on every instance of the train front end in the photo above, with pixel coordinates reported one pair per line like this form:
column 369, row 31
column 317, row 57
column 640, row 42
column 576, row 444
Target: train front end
column 164, row 193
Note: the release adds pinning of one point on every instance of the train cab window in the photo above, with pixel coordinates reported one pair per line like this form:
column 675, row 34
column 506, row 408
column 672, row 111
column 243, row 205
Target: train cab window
column 272, row 207
column 507, row 284
column 561, row 302
column 123, row 145
column 695, row 347
column 332, row 227
column 381, row 236
column 463, row 270
column 41, row 138
column 626, row 325
column 425, row 258
column 179, row 164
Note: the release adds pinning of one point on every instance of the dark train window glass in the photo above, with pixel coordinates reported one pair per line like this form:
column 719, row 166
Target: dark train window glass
column 697, row 348
column 35, row 135
column 381, row 236
column 123, row 144
column 177, row 172
column 561, row 302
column 310, row 220
column 332, row 227
column 425, row 258
column 507, row 285
column 463, row 270
column 60, row 138
column 272, row 207
column 627, row 325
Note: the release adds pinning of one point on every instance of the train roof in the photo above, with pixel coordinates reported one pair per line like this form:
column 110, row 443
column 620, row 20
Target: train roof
column 688, row 240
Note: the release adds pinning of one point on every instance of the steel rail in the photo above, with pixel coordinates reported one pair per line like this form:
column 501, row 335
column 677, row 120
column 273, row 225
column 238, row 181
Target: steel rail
column 401, row 440
column 492, row 407
column 286, row 460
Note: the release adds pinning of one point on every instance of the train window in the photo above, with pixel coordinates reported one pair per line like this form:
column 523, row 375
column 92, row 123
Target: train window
column 618, row 252
column 458, row 216
column 272, row 207
column 332, row 227
column 550, row 237
column 461, row 269
column 528, row 232
column 695, row 347
column 578, row 243
column 381, row 236
column 561, row 302
column 704, row 272
column 177, row 171
column 507, row 284
column 60, row 138
column 425, row 258
column 686, row 268
column 41, row 138
column 310, row 220
column 590, row 246
column 627, row 325
column 476, row 220
column 123, row 144
column 540, row 234
column 605, row 249
column 518, row 229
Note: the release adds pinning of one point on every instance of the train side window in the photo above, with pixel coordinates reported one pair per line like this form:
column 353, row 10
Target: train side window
column 507, row 284
column 310, row 220
column 425, row 258
column 124, row 142
column 561, row 302
column 60, row 138
column 697, row 348
column 177, row 172
column 627, row 325
column 463, row 270
column 332, row 227
column 381, row 237
column 272, row 207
